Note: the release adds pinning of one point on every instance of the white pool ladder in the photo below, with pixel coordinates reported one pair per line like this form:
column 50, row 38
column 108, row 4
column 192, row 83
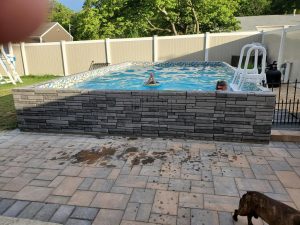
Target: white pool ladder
column 245, row 75
column 7, row 64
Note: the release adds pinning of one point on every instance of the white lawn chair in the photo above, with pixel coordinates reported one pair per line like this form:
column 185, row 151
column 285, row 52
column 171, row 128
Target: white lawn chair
column 8, row 66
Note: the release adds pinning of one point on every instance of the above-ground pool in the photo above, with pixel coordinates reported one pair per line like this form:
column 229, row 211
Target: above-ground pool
column 171, row 76
column 114, row 101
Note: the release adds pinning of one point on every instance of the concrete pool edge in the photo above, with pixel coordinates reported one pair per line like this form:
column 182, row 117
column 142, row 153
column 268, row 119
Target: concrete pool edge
column 221, row 116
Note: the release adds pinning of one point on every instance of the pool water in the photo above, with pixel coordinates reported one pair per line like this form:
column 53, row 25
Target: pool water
column 189, row 77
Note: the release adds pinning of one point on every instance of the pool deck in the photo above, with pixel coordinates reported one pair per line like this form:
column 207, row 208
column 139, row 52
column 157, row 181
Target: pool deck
column 140, row 181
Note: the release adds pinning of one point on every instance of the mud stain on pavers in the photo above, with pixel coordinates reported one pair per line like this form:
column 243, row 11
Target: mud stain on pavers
column 127, row 151
column 131, row 149
column 92, row 156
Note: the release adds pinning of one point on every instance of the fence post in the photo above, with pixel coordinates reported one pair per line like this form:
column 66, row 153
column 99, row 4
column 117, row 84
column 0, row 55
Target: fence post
column 107, row 51
column 262, row 37
column 281, row 48
column 24, row 59
column 206, row 50
column 155, row 48
column 64, row 57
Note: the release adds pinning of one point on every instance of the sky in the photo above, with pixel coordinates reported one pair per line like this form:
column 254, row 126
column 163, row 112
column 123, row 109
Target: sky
column 75, row 5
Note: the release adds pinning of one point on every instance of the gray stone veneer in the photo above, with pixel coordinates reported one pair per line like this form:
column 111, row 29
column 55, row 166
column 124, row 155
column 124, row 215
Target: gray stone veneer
column 225, row 116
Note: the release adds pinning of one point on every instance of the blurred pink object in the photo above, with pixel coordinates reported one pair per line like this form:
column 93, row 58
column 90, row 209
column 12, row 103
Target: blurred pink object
column 19, row 18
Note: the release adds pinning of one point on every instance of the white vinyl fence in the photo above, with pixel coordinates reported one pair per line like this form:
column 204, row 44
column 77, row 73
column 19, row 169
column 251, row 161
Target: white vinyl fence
column 65, row 58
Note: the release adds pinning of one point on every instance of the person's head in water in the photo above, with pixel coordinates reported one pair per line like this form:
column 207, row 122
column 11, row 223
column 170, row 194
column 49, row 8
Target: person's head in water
column 151, row 79
column 221, row 85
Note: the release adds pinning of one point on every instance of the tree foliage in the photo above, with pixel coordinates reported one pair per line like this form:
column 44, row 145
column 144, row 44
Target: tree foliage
column 284, row 6
column 253, row 7
column 138, row 18
column 134, row 18
column 261, row 7
column 86, row 23
column 61, row 14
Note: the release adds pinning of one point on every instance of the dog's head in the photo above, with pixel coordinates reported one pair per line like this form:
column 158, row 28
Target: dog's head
column 245, row 205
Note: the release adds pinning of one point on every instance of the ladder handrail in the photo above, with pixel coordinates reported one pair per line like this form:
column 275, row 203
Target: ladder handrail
column 242, row 54
column 256, row 48
column 243, row 74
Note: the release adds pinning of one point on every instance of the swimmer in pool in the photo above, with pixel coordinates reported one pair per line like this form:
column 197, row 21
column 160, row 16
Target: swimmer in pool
column 221, row 85
column 151, row 80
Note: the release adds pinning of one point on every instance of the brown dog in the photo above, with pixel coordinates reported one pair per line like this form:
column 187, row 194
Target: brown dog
column 255, row 204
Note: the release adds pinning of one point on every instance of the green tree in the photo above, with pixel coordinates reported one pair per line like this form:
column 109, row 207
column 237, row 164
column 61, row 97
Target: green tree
column 137, row 18
column 217, row 15
column 61, row 14
column 86, row 22
column 284, row 6
column 131, row 18
column 253, row 7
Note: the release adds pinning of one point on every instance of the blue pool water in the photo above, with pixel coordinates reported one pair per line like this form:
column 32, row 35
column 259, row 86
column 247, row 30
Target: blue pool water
column 199, row 77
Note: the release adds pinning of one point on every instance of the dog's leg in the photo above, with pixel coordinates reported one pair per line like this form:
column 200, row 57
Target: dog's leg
column 255, row 215
column 249, row 217
column 235, row 215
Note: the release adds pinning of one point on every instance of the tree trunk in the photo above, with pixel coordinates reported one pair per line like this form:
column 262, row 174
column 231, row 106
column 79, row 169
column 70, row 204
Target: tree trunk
column 186, row 29
column 195, row 17
column 174, row 28
column 163, row 11
column 153, row 27
column 196, row 21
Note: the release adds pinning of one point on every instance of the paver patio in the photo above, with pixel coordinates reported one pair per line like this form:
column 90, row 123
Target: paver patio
column 141, row 181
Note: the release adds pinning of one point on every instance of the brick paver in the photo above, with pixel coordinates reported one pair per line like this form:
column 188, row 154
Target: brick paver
column 16, row 208
column 225, row 186
column 85, row 213
column 62, row 214
column 142, row 195
column 166, row 202
column 68, row 186
column 200, row 217
column 110, row 201
column 46, row 212
column 48, row 174
column 82, row 198
column 33, row 193
column 31, row 210
column 289, row 179
column 191, row 200
column 156, row 181
column 108, row 217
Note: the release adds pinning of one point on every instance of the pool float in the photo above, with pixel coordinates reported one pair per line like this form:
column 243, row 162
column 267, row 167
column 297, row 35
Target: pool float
column 152, row 85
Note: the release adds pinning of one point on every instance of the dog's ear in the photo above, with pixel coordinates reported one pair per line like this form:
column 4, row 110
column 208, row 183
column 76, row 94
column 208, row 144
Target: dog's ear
column 244, row 195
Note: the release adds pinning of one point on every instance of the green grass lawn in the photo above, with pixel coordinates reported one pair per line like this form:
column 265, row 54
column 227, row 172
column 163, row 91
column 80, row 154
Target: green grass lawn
column 8, row 118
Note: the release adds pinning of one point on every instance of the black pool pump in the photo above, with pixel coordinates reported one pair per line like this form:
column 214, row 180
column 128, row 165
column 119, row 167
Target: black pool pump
column 273, row 75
